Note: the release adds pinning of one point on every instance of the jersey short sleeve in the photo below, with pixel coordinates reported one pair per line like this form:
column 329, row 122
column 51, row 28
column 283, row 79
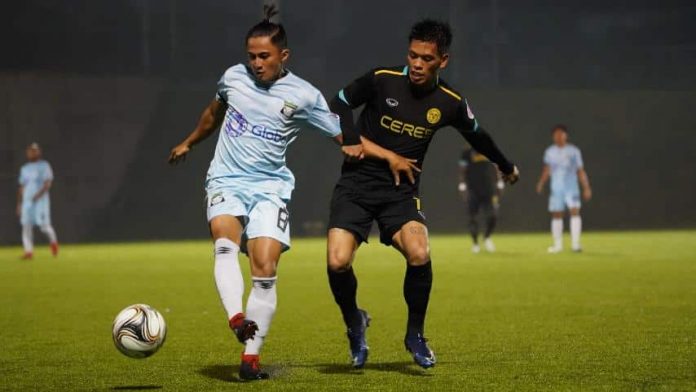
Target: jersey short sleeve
column 48, row 172
column 222, row 87
column 23, row 177
column 321, row 118
column 577, row 158
column 547, row 156
column 359, row 91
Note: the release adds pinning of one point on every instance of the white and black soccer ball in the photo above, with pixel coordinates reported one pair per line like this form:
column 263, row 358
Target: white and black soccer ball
column 139, row 331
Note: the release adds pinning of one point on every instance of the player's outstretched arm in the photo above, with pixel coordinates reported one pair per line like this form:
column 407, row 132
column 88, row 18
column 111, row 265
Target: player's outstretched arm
column 397, row 163
column 545, row 173
column 46, row 186
column 210, row 120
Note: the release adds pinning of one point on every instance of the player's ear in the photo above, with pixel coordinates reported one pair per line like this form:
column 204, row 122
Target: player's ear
column 445, row 61
column 284, row 55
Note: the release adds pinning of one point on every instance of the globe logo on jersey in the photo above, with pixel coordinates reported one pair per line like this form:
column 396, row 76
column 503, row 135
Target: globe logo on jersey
column 237, row 125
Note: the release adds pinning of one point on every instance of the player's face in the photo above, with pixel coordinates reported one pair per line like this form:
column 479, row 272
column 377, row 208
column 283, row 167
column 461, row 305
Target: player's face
column 560, row 137
column 33, row 154
column 266, row 60
column 425, row 62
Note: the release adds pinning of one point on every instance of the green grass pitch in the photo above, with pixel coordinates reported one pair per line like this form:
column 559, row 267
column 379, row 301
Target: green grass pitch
column 620, row 316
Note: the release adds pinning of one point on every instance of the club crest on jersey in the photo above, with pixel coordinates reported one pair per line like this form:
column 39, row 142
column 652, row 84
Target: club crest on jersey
column 392, row 102
column 288, row 109
column 433, row 115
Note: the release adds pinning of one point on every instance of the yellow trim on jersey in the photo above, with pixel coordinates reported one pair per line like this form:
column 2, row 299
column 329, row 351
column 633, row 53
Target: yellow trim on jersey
column 390, row 72
column 452, row 93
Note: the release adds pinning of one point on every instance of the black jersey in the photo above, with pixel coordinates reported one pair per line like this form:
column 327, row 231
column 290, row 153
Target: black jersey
column 481, row 175
column 399, row 117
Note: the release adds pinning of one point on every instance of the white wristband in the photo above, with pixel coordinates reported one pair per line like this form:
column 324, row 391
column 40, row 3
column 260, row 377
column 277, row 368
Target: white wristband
column 462, row 187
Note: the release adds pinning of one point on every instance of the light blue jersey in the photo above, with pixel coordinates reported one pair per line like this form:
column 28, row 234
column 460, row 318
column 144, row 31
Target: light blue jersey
column 564, row 163
column 259, row 124
column 32, row 177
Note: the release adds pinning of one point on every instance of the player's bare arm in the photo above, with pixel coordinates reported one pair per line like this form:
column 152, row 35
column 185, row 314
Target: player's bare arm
column 210, row 120
column 545, row 174
column 46, row 186
column 20, row 193
column 585, row 183
column 397, row 163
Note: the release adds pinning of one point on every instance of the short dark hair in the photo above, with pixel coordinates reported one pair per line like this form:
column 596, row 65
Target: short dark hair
column 561, row 127
column 266, row 28
column 430, row 30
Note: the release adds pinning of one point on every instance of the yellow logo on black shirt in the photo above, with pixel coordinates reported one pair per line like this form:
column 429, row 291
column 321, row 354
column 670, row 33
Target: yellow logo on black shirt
column 433, row 115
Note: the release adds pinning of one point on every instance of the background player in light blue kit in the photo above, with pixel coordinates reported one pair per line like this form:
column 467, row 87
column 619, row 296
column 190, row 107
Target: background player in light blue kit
column 33, row 200
column 563, row 164
column 262, row 107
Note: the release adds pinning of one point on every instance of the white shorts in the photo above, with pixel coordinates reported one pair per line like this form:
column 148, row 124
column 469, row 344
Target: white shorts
column 36, row 213
column 559, row 201
column 262, row 214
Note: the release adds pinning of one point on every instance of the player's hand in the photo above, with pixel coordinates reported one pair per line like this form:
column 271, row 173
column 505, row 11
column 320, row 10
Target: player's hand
column 178, row 153
column 587, row 194
column 399, row 164
column 540, row 188
column 36, row 197
column 513, row 177
column 353, row 153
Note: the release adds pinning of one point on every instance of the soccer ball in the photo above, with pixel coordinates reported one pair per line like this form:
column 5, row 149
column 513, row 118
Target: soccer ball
column 139, row 331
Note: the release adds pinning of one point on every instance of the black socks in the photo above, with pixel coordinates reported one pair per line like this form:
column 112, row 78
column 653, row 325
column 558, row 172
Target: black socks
column 344, row 287
column 417, row 285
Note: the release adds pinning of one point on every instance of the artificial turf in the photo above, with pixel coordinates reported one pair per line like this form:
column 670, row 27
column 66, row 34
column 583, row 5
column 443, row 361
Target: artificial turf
column 619, row 316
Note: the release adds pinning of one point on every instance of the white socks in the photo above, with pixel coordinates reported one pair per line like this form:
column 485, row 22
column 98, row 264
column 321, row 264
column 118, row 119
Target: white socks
column 50, row 233
column 261, row 307
column 261, row 304
column 575, row 230
column 557, row 232
column 28, row 238
column 228, row 276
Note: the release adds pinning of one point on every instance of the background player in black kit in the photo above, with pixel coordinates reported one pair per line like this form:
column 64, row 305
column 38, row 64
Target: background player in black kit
column 480, row 186
column 403, row 108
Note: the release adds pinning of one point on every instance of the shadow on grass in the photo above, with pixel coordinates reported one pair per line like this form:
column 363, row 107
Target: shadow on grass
column 136, row 387
column 403, row 367
column 221, row 372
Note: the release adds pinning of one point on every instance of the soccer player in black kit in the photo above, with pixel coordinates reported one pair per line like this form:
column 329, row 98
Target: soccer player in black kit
column 403, row 108
column 480, row 186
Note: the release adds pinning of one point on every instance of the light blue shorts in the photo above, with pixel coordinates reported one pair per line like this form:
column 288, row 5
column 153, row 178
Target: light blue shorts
column 36, row 213
column 263, row 214
column 559, row 201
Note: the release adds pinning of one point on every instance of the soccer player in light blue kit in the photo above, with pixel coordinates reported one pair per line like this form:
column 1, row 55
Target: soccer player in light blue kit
column 262, row 107
column 33, row 202
column 563, row 164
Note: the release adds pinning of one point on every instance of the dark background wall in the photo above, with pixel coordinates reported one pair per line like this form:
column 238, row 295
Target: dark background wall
column 108, row 87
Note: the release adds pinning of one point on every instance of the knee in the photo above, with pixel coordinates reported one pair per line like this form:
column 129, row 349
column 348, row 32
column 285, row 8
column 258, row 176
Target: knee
column 264, row 269
column 418, row 255
column 339, row 260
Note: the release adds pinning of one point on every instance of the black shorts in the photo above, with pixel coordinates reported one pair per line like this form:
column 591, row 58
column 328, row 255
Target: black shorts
column 487, row 203
column 354, row 207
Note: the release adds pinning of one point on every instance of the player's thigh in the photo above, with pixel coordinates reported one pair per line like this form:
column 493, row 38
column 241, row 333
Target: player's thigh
column 557, row 204
column 412, row 241
column 269, row 218
column 42, row 213
column 572, row 201
column 341, row 246
column 264, row 255
column 227, row 213
column 473, row 205
column 350, row 212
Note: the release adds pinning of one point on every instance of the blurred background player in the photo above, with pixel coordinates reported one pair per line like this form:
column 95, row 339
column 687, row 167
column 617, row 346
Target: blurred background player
column 563, row 163
column 480, row 185
column 33, row 201
column 262, row 107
